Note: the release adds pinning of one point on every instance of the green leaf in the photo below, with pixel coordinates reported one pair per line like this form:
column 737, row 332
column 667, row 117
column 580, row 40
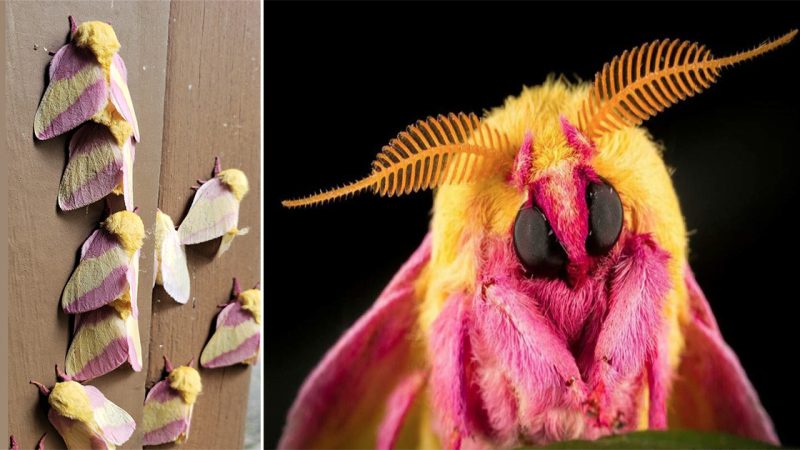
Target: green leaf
column 673, row 439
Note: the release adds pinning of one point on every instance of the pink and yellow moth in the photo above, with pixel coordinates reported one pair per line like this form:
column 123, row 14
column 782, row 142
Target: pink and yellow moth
column 215, row 209
column 84, row 417
column 39, row 445
column 102, row 291
column 237, row 337
column 168, row 407
column 172, row 272
column 552, row 298
column 89, row 82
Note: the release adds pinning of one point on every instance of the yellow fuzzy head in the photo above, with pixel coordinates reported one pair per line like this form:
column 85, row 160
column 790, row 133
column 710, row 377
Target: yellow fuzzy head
column 236, row 181
column 186, row 380
column 127, row 226
column 251, row 301
column 100, row 38
column 69, row 399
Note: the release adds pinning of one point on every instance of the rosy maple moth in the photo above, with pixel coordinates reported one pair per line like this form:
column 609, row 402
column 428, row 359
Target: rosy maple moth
column 237, row 337
column 89, row 83
column 103, row 291
column 172, row 271
column 552, row 298
column 168, row 407
column 215, row 209
column 39, row 445
column 84, row 417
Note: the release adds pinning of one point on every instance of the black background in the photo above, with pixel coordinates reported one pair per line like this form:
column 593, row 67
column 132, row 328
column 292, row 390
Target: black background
column 342, row 79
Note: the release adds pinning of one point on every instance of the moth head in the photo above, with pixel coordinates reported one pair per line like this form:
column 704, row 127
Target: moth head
column 98, row 37
column 569, row 214
column 186, row 380
column 128, row 228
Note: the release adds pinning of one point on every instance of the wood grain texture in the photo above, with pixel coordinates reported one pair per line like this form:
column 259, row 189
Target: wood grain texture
column 44, row 242
column 212, row 108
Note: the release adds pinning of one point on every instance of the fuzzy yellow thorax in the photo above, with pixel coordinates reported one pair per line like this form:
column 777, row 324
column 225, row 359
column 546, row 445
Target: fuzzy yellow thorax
column 69, row 399
column 123, row 304
column 251, row 301
column 236, row 180
column 100, row 38
column 186, row 380
column 128, row 228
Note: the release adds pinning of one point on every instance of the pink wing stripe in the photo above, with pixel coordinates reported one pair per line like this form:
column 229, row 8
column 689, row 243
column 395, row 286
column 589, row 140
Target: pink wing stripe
column 245, row 350
column 210, row 190
column 111, row 287
column 167, row 433
column 68, row 61
column 95, row 189
column 87, row 244
column 233, row 315
column 114, row 354
column 161, row 393
column 89, row 102
column 397, row 409
column 375, row 342
column 101, row 242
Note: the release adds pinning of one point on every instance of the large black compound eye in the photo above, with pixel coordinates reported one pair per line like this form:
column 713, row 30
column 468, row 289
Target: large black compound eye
column 536, row 244
column 605, row 217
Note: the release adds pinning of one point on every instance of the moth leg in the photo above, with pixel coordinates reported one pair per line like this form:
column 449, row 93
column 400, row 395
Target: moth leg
column 632, row 331
column 524, row 367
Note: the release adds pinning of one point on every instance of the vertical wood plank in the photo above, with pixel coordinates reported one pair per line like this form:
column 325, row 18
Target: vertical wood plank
column 43, row 242
column 212, row 108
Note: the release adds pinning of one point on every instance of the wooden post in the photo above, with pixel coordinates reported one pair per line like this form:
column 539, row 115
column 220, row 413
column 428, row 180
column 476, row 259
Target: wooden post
column 204, row 90
column 211, row 109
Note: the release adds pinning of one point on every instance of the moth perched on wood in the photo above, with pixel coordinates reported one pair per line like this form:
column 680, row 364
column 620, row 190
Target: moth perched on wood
column 552, row 298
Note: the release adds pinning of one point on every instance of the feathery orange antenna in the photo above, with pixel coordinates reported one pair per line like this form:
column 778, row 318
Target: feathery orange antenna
column 644, row 81
column 437, row 151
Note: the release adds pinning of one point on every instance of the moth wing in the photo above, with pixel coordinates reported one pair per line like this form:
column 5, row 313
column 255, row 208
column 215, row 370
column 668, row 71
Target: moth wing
column 172, row 266
column 93, row 169
column 101, row 344
column 77, row 91
column 76, row 434
column 114, row 423
column 120, row 95
column 347, row 392
column 128, row 152
column 214, row 212
column 227, row 239
column 236, row 339
column 101, row 275
column 712, row 391
column 166, row 417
